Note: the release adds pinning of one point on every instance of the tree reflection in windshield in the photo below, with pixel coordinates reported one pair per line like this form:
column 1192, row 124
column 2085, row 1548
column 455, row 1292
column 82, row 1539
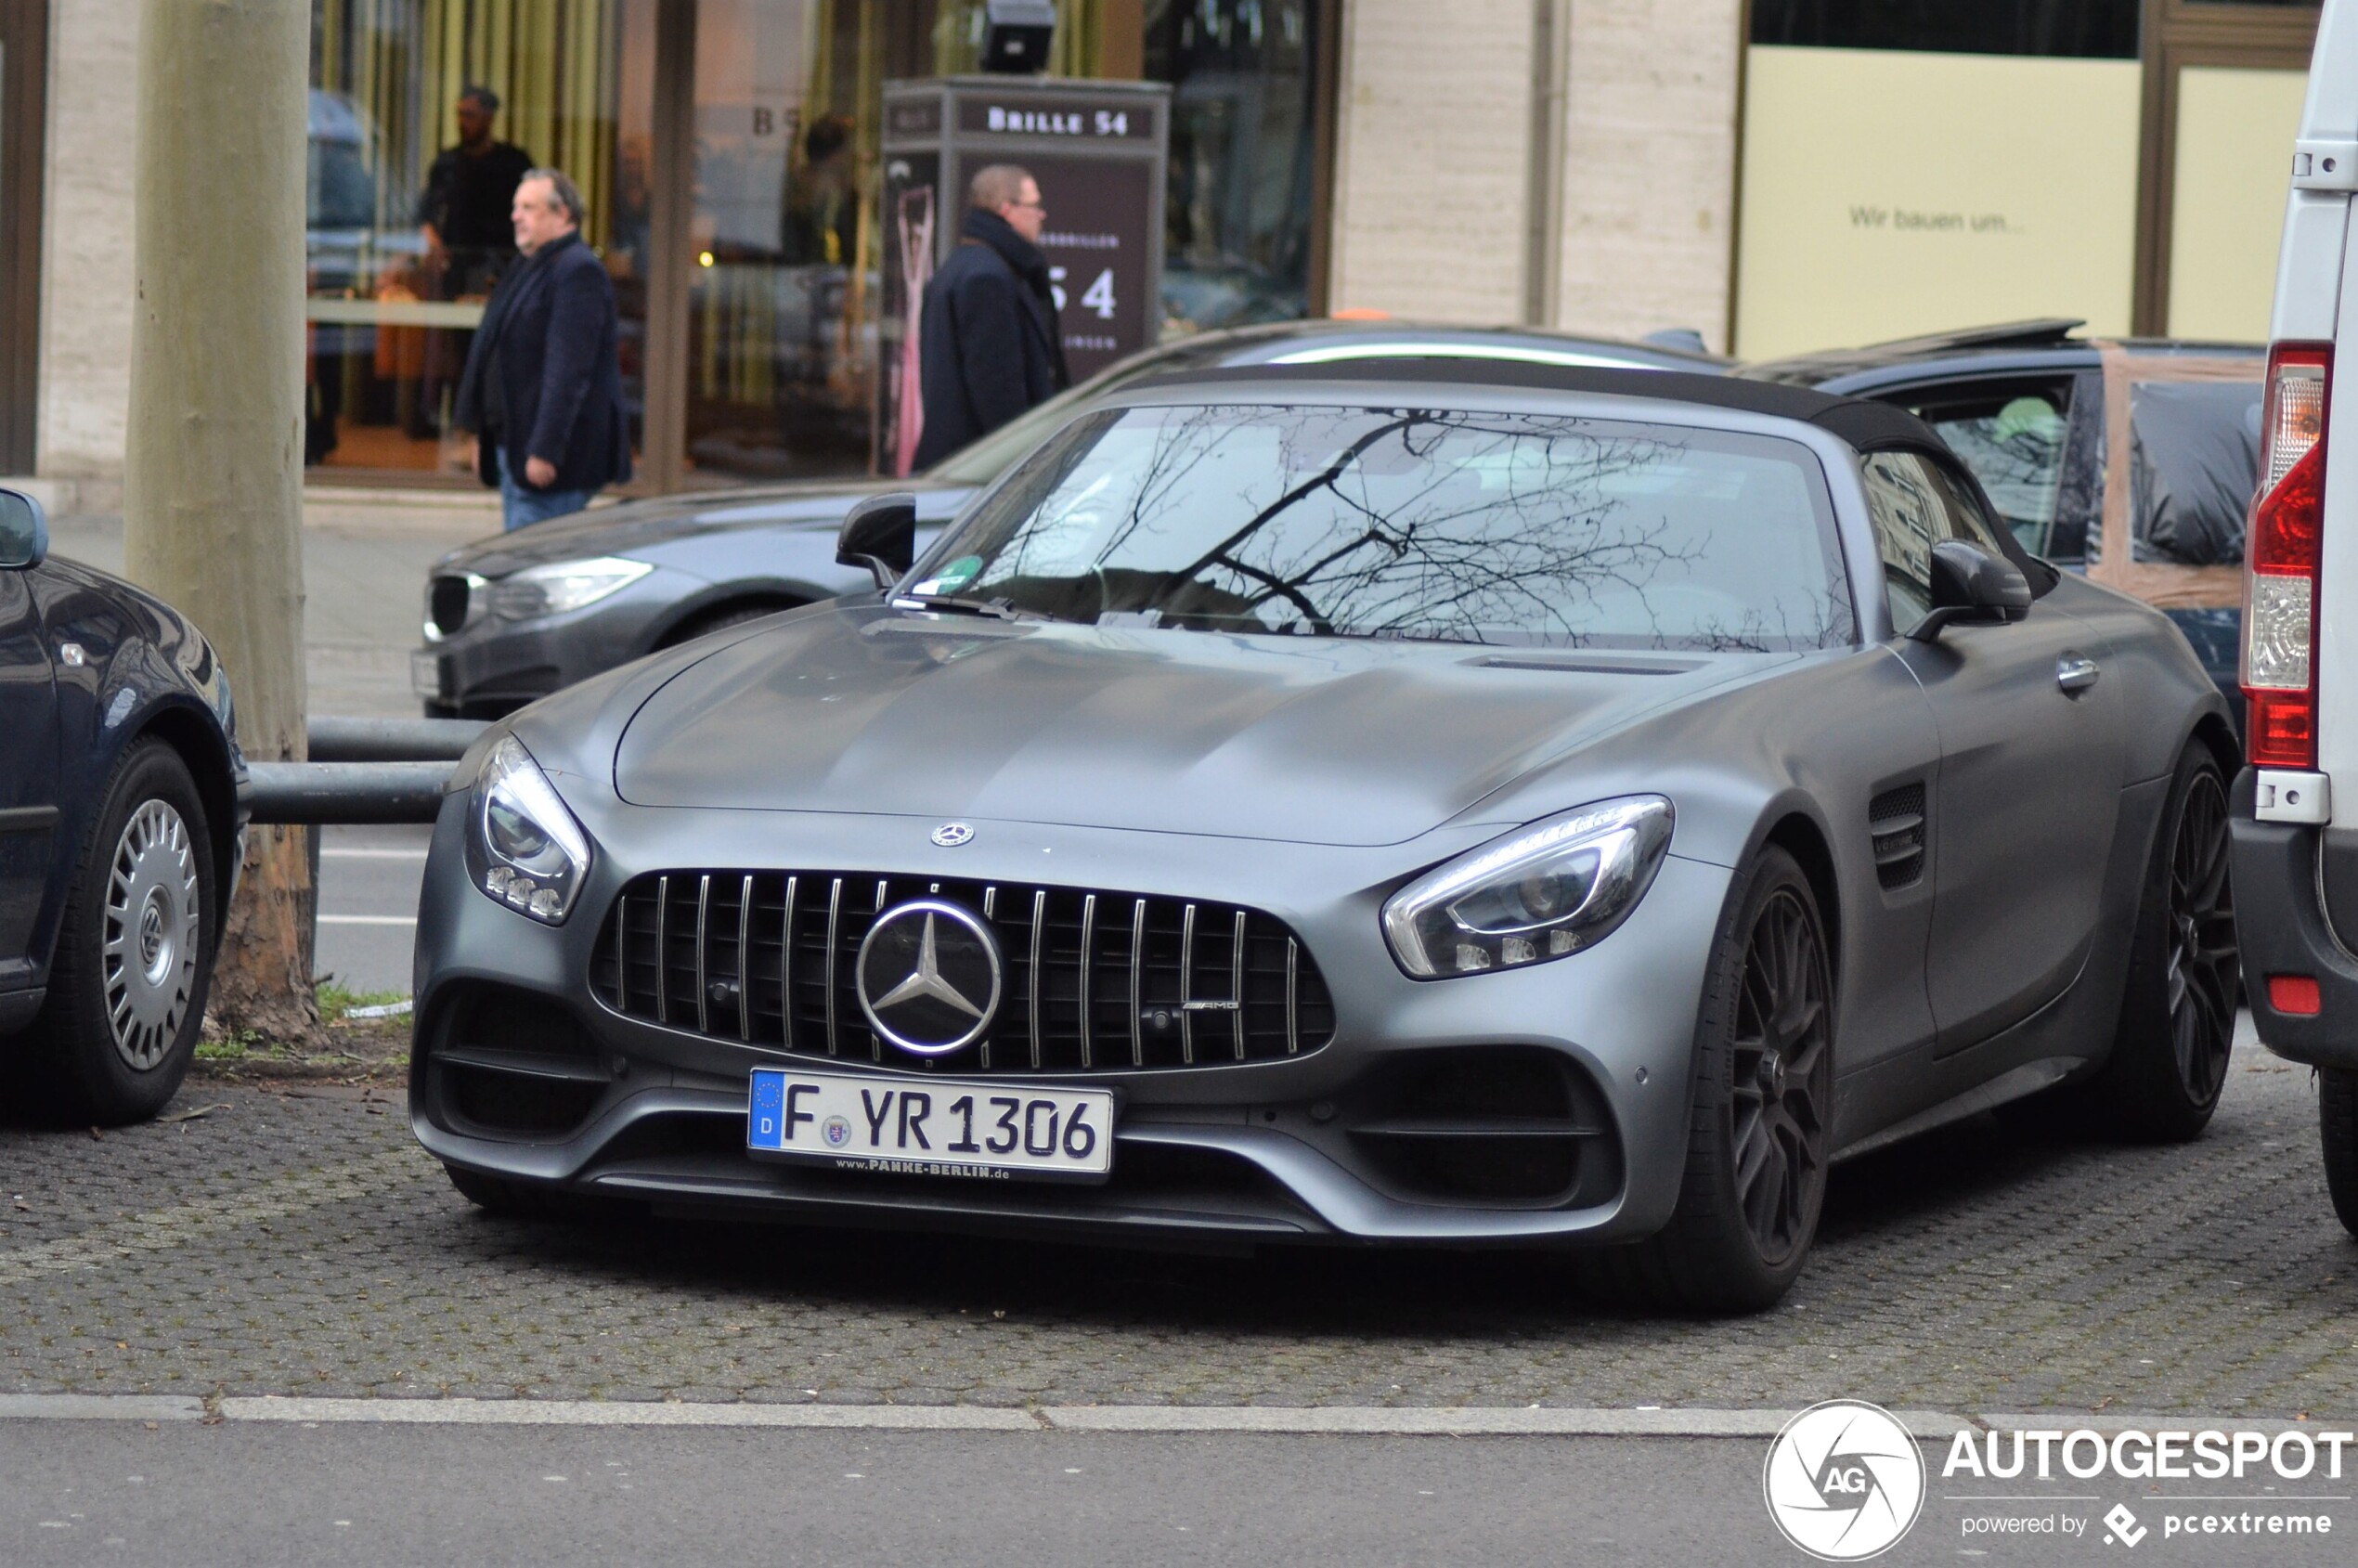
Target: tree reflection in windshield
column 1404, row 523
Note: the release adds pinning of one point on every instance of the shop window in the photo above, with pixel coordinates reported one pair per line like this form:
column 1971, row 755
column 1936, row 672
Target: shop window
column 412, row 170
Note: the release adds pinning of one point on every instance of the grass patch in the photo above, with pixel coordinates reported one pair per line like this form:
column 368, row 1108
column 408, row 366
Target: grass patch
column 335, row 1001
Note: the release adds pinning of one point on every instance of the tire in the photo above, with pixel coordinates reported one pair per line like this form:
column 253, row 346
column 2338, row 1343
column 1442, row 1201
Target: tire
column 2338, row 1117
column 133, row 961
column 2177, row 1024
column 715, row 620
column 1757, row 1134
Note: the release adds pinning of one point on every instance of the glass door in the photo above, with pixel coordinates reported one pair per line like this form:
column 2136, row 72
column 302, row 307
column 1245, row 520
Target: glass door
column 424, row 116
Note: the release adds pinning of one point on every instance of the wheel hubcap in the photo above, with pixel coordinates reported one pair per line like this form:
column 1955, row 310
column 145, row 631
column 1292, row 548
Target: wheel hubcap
column 150, row 942
column 2203, row 968
column 1782, row 1079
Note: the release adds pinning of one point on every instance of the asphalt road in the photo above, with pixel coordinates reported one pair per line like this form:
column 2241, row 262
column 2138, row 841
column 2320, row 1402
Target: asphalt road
column 369, row 880
column 103, row 1492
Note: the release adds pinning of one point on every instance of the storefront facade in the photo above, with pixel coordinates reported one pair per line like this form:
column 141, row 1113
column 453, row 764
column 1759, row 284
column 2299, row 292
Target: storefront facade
column 1776, row 176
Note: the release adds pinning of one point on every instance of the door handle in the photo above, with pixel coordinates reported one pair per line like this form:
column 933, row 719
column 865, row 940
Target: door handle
column 2075, row 673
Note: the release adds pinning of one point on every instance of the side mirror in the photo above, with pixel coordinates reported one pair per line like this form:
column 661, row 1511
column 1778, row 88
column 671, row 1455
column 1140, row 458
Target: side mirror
column 1970, row 584
column 880, row 534
column 24, row 531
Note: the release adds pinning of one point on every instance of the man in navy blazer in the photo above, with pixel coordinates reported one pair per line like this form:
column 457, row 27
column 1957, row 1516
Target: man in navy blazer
column 989, row 345
column 543, row 389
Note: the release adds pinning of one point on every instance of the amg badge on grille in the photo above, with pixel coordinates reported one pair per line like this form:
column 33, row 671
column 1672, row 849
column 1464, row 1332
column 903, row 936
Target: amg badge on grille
column 928, row 977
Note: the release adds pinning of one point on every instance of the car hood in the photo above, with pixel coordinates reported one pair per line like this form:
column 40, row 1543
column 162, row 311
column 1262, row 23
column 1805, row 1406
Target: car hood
column 870, row 710
column 643, row 524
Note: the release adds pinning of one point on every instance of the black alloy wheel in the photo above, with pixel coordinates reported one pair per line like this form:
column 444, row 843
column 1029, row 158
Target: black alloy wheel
column 1781, row 1089
column 2177, row 1025
column 1759, row 1137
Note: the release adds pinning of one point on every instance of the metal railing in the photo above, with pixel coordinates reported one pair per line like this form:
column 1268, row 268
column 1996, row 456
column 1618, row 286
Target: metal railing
column 363, row 771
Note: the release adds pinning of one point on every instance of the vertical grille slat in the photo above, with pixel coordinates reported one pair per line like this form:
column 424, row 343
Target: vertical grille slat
column 1138, row 984
column 834, row 922
column 1039, row 992
column 704, row 945
column 1187, row 986
column 1236, row 986
column 663, row 950
column 1088, row 936
column 1075, row 979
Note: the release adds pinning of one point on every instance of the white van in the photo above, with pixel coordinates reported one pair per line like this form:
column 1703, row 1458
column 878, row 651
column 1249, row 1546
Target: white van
column 2296, row 831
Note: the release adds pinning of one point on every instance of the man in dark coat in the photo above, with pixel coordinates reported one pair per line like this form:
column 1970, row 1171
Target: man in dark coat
column 543, row 384
column 991, row 347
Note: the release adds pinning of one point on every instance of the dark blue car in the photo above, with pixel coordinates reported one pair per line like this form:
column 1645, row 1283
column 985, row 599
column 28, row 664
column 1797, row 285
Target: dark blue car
column 120, row 833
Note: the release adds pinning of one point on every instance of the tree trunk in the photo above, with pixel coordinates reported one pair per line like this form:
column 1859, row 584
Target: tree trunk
column 212, row 493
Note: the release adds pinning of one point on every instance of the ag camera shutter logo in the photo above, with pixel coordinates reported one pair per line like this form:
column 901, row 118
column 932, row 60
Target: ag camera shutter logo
column 1844, row 1481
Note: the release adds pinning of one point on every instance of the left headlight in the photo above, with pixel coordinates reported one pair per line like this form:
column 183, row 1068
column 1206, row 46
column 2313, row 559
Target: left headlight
column 1558, row 886
column 561, row 586
column 524, row 848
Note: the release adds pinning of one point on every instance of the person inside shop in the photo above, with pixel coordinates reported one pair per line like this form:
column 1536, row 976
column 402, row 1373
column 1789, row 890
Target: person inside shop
column 542, row 388
column 823, row 197
column 991, row 345
column 469, row 191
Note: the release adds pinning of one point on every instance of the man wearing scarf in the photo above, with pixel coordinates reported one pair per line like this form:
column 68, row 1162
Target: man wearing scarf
column 991, row 345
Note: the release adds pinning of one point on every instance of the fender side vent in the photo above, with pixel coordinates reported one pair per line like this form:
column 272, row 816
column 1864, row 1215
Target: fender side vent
column 1896, row 819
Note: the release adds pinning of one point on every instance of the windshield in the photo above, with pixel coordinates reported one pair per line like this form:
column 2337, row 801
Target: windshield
column 1516, row 530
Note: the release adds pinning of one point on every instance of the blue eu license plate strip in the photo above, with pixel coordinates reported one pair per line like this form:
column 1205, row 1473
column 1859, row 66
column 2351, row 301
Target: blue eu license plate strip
column 937, row 1127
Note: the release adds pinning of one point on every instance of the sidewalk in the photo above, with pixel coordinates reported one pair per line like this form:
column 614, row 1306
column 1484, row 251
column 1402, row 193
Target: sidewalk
column 365, row 557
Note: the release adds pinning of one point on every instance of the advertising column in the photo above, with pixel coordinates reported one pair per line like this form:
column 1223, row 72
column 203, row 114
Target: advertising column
column 1099, row 150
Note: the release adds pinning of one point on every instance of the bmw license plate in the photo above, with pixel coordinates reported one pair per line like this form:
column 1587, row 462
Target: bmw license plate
column 425, row 675
column 949, row 1128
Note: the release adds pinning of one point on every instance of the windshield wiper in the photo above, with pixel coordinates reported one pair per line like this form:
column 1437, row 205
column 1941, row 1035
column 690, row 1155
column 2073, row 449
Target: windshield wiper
column 997, row 609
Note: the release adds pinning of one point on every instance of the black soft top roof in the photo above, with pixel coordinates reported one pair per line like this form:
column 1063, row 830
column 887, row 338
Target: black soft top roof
column 1867, row 425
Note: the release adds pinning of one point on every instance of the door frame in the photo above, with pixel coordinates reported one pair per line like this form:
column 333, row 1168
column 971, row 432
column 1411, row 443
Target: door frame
column 2179, row 33
column 24, row 114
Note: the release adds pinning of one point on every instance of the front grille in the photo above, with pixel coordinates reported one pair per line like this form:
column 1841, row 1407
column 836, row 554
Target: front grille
column 1093, row 982
column 1896, row 821
column 447, row 604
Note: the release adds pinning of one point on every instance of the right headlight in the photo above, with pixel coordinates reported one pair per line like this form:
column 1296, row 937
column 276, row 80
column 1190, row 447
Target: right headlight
column 1545, row 891
column 523, row 847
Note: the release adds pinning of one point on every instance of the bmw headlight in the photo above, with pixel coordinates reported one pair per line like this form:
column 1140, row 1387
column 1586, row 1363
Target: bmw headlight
column 1553, row 888
column 561, row 586
column 524, row 848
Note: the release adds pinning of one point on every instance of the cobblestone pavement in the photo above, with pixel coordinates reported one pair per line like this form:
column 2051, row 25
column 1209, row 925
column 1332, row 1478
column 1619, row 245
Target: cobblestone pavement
column 297, row 1241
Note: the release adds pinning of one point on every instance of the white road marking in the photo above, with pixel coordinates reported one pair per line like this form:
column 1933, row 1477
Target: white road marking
column 367, row 920
column 1334, row 1421
column 372, row 854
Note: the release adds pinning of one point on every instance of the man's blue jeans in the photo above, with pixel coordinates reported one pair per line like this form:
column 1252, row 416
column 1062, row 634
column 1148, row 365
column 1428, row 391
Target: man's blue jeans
column 520, row 504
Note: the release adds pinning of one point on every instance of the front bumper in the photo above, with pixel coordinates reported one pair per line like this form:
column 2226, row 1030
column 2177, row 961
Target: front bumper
column 491, row 666
column 2282, row 929
column 1261, row 1151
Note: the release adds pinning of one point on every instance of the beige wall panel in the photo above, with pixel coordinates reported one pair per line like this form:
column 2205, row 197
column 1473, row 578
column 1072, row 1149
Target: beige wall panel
column 2228, row 207
column 1432, row 159
column 1649, row 166
column 86, row 274
column 1887, row 194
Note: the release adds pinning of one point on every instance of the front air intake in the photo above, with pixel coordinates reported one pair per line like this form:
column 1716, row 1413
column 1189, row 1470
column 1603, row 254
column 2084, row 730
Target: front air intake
column 1094, row 980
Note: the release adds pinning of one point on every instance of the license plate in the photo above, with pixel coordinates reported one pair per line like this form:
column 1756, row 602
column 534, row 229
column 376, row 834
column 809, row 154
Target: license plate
column 425, row 675
column 949, row 1128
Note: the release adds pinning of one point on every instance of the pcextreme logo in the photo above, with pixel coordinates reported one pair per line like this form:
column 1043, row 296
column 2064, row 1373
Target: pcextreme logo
column 1844, row 1481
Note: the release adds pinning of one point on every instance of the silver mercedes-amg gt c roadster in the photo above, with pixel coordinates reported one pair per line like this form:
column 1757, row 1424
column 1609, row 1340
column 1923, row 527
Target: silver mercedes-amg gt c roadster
column 1444, row 804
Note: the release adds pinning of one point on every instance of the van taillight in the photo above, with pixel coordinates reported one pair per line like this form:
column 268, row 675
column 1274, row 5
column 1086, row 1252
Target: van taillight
column 2282, row 550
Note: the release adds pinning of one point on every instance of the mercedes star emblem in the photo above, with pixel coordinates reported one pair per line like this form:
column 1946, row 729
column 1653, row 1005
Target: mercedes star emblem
column 950, row 835
column 928, row 977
